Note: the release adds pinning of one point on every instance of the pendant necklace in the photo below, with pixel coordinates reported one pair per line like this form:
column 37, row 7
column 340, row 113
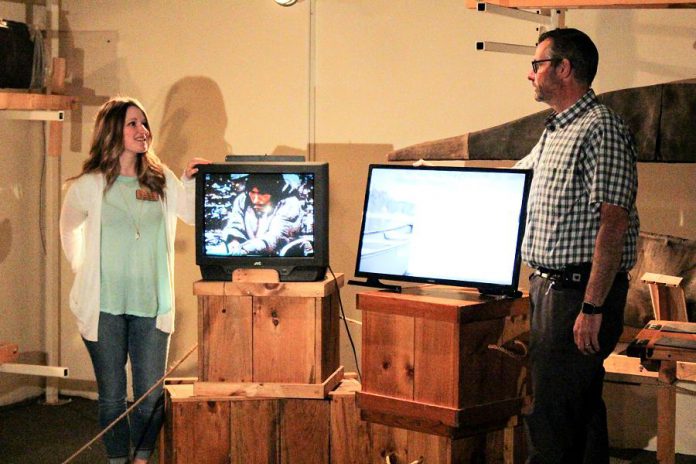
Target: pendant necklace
column 131, row 216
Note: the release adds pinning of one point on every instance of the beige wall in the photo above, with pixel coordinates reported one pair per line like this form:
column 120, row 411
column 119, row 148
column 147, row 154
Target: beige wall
column 354, row 80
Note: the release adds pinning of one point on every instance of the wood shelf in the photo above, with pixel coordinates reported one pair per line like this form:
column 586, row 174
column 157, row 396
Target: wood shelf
column 563, row 4
column 35, row 101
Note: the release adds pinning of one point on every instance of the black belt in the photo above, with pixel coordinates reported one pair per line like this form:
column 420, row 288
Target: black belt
column 575, row 276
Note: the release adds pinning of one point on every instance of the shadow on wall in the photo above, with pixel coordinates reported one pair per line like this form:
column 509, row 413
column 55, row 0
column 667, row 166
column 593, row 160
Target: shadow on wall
column 193, row 124
column 74, row 46
column 5, row 239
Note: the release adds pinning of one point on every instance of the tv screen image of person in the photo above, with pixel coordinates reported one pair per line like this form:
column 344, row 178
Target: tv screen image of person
column 448, row 225
column 262, row 215
column 259, row 214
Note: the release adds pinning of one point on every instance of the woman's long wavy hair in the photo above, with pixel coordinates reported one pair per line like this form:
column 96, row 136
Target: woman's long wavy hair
column 107, row 146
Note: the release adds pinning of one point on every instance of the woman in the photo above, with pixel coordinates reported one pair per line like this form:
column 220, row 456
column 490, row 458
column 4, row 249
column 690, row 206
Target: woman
column 117, row 228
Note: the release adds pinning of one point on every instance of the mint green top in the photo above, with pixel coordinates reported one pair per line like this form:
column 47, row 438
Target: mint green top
column 134, row 272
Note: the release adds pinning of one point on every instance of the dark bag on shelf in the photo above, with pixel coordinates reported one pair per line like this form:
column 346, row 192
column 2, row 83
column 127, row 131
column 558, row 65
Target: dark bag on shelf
column 21, row 56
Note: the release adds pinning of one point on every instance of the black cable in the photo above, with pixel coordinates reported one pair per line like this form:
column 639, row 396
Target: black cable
column 345, row 323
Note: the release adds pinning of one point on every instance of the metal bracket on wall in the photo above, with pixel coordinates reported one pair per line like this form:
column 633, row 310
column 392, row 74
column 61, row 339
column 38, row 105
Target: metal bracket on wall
column 545, row 20
column 33, row 115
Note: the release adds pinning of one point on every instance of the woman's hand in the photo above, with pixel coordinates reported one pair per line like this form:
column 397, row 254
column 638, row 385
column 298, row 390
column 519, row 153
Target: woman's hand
column 191, row 167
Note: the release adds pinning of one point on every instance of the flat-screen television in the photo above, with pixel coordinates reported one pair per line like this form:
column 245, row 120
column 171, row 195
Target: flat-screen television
column 445, row 225
column 263, row 216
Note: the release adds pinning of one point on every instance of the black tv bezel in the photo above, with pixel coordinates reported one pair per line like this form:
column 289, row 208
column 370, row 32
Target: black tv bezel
column 290, row 269
column 374, row 279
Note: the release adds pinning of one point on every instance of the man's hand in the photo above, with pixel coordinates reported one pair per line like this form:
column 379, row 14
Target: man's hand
column 586, row 332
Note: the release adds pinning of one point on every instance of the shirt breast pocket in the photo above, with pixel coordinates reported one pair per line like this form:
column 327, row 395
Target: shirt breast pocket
column 559, row 191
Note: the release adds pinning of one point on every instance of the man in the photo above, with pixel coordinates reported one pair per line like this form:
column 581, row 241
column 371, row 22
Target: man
column 264, row 218
column 581, row 237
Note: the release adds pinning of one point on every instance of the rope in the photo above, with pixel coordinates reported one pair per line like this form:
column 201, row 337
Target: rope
column 684, row 391
column 388, row 459
column 136, row 403
column 352, row 321
column 511, row 353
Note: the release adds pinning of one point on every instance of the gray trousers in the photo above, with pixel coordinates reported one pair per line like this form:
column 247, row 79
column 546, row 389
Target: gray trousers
column 568, row 421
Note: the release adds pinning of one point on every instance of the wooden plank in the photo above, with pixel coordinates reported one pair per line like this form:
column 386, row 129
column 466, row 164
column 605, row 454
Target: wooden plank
column 291, row 289
column 328, row 335
column 408, row 409
column 201, row 432
column 284, row 331
column 410, row 305
column 668, row 302
column 652, row 278
column 387, row 443
column 388, row 354
column 225, row 332
column 437, row 362
column 255, row 275
column 409, row 446
column 166, row 436
column 350, row 442
column 55, row 138
column 424, row 448
column 268, row 390
column 305, row 427
column 686, row 371
column 649, row 343
column 432, row 415
column 487, row 374
column 35, row 101
column 9, row 352
column 588, row 3
column 436, row 302
column 255, row 432
column 180, row 380
column 666, row 413
column 626, row 369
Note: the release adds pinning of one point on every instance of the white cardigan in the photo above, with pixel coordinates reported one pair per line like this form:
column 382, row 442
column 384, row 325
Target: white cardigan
column 80, row 232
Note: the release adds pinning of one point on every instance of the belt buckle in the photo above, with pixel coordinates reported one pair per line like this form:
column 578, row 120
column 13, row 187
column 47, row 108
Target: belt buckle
column 576, row 277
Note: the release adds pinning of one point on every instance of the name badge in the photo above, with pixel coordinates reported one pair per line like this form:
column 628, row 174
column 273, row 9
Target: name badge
column 146, row 195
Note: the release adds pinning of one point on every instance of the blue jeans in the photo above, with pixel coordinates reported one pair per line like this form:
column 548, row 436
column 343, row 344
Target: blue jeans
column 119, row 338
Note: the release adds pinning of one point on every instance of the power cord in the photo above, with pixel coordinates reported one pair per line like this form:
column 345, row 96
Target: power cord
column 345, row 323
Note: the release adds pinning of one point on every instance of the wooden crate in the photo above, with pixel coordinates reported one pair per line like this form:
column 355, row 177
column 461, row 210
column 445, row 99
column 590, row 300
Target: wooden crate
column 430, row 359
column 284, row 332
column 354, row 441
column 243, row 431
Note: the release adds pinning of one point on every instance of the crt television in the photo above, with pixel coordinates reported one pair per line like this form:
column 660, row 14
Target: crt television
column 263, row 216
column 445, row 225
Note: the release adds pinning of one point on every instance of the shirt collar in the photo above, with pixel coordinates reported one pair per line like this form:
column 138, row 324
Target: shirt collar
column 565, row 117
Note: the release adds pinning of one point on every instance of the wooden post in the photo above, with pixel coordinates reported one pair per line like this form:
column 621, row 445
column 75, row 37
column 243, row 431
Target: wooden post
column 666, row 412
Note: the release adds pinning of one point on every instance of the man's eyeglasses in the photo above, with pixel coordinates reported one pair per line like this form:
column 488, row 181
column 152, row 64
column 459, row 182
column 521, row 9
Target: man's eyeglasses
column 535, row 63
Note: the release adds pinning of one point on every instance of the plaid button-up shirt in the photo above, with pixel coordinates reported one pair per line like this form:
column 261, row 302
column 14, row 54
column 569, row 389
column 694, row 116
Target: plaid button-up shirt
column 585, row 157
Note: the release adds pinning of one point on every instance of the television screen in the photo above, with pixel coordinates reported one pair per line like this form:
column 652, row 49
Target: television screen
column 442, row 224
column 262, row 215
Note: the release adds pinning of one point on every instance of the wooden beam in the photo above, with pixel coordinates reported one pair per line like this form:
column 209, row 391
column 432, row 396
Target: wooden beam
column 269, row 389
column 627, row 369
column 285, row 289
column 35, row 101
column 33, row 369
column 531, row 4
column 666, row 413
